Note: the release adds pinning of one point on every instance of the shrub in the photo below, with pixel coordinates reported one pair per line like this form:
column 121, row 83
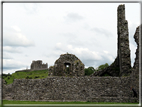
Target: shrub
column 27, row 77
column 89, row 70
column 36, row 77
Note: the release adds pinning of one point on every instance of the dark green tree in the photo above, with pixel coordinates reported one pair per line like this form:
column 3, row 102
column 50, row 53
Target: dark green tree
column 101, row 67
column 89, row 70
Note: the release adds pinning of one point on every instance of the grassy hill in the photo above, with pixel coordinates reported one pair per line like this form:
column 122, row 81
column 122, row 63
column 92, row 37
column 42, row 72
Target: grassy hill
column 37, row 74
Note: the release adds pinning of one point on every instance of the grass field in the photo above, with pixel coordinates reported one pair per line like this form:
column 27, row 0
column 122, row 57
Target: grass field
column 38, row 74
column 45, row 102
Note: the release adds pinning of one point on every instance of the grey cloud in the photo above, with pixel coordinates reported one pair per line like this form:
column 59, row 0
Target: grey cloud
column 10, row 49
column 101, row 31
column 72, row 39
column 58, row 49
column 12, row 64
column 16, row 43
column 86, row 26
column 106, row 60
column 68, row 34
column 56, row 52
column 89, row 63
column 86, row 56
column 132, row 30
column 7, row 67
column 78, row 43
column 73, row 17
column 6, row 56
column 96, row 63
column 132, row 41
column 15, row 39
column 26, row 56
column 85, row 43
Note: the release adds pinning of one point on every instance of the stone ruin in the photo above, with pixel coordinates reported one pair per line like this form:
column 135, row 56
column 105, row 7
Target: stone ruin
column 35, row 65
column 122, row 64
column 61, row 87
column 38, row 65
column 135, row 70
column 67, row 65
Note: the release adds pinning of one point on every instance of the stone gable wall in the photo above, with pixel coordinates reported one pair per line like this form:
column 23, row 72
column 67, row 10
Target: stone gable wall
column 76, row 67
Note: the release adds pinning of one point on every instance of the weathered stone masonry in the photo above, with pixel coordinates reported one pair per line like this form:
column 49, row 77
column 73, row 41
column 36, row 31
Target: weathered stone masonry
column 123, row 42
column 71, row 88
column 85, row 88
column 122, row 64
column 68, row 65
column 135, row 71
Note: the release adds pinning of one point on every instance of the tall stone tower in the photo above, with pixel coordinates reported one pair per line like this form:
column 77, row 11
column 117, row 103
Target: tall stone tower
column 123, row 42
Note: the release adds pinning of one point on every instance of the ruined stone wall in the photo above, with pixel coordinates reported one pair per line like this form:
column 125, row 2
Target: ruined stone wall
column 68, row 65
column 136, row 36
column 122, row 64
column 112, row 70
column 107, row 89
column 135, row 71
column 123, row 42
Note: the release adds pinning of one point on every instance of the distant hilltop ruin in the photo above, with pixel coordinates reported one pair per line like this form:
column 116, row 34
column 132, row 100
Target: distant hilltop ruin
column 36, row 65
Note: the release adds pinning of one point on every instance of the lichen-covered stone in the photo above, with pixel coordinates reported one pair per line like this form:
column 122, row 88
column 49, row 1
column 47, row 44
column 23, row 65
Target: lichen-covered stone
column 68, row 65
column 122, row 64
column 123, row 42
column 135, row 71
column 50, row 71
column 136, row 36
column 63, row 88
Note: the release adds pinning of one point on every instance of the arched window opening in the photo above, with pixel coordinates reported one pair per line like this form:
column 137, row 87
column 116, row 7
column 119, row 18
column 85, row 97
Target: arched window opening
column 67, row 67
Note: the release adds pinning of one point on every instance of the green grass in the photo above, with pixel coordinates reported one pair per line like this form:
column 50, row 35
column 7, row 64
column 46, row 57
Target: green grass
column 37, row 74
column 45, row 102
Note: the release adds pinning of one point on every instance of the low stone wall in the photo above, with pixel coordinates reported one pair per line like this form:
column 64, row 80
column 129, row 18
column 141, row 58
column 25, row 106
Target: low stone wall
column 108, row 89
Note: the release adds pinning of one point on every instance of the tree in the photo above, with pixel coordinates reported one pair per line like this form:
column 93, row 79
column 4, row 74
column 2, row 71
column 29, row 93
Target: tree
column 101, row 67
column 89, row 70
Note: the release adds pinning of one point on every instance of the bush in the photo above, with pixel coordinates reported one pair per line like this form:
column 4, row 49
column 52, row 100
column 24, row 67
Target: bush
column 89, row 70
column 36, row 77
column 6, row 75
column 28, row 77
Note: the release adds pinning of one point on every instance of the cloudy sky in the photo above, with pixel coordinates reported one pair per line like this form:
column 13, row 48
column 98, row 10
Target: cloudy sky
column 43, row 31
